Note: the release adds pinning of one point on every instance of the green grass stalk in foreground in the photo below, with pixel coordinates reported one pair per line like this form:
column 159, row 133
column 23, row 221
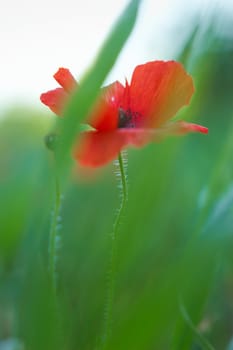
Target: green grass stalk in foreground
column 85, row 96
column 108, row 314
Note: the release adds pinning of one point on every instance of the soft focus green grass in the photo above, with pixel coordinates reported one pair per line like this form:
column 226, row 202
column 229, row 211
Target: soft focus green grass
column 174, row 279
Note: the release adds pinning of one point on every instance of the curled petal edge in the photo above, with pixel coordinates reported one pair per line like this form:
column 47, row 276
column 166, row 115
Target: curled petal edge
column 65, row 79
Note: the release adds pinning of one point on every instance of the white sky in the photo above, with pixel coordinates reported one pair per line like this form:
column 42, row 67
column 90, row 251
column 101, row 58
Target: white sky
column 37, row 37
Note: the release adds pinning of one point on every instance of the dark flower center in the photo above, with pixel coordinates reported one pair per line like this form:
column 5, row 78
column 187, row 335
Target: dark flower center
column 128, row 119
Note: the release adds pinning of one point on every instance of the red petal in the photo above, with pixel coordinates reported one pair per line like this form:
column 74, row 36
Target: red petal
column 55, row 100
column 182, row 128
column 158, row 90
column 65, row 79
column 104, row 115
column 96, row 148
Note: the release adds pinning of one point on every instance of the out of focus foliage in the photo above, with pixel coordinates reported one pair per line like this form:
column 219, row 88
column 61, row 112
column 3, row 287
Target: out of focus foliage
column 175, row 272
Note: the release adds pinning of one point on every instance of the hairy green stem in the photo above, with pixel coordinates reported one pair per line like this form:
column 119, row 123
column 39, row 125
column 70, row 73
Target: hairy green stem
column 54, row 236
column 108, row 319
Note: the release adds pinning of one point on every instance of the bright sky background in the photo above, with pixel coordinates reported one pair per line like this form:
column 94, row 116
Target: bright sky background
column 37, row 37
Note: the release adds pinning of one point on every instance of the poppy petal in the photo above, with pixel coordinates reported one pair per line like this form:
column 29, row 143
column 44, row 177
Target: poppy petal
column 158, row 90
column 181, row 128
column 65, row 79
column 104, row 115
column 55, row 100
column 96, row 148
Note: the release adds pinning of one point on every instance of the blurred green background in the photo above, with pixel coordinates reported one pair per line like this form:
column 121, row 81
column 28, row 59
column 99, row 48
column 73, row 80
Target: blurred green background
column 174, row 282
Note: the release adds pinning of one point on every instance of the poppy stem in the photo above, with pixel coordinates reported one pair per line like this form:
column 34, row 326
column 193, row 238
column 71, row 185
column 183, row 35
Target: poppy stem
column 108, row 319
column 54, row 237
column 123, row 179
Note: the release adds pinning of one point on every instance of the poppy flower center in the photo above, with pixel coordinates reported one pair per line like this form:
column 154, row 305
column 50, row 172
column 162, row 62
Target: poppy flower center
column 128, row 119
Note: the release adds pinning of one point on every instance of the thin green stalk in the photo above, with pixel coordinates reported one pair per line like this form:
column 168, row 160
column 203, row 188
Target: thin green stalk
column 123, row 180
column 108, row 319
column 54, row 235
column 199, row 337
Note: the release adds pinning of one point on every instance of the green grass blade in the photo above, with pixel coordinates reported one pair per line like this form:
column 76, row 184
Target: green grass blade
column 199, row 337
column 83, row 98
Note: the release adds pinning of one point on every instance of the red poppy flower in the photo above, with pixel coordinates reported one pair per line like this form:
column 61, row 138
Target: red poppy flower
column 130, row 115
